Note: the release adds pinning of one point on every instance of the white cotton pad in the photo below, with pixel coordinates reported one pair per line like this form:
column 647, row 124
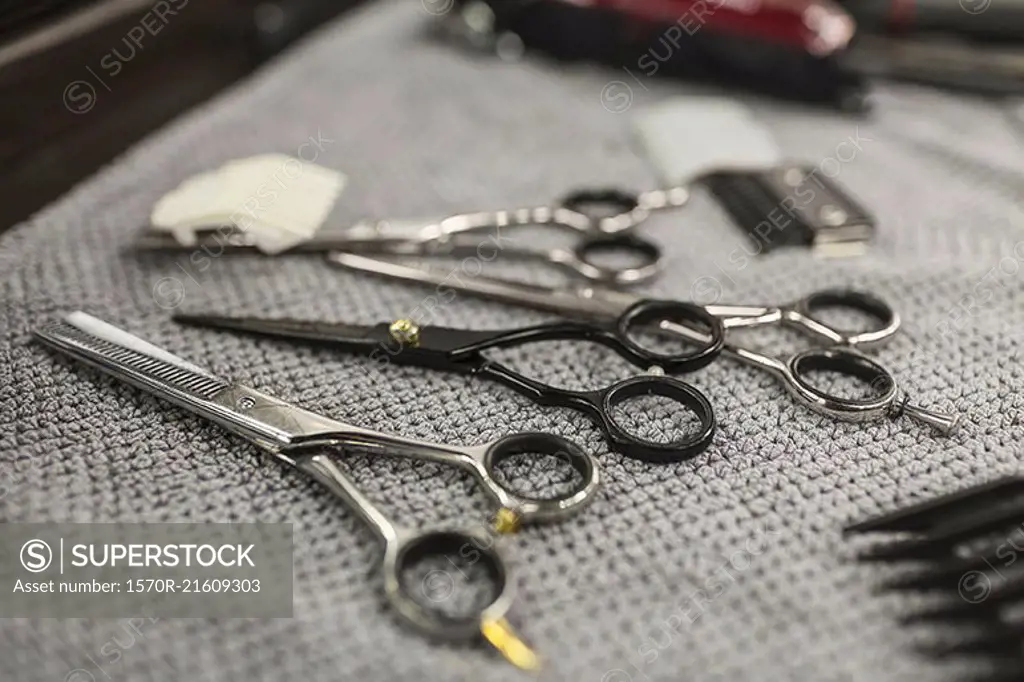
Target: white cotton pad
column 279, row 200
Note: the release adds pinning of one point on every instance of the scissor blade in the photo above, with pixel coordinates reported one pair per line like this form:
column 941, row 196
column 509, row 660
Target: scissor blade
column 117, row 352
column 269, row 422
column 590, row 303
column 287, row 329
column 366, row 237
column 225, row 239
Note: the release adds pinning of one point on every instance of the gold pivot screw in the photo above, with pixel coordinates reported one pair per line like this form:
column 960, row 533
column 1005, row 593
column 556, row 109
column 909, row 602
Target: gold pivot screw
column 405, row 332
column 506, row 521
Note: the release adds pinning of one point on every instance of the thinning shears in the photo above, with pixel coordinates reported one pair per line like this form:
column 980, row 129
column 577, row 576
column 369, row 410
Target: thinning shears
column 480, row 461
column 306, row 441
column 836, row 354
column 460, row 350
column 601, row 219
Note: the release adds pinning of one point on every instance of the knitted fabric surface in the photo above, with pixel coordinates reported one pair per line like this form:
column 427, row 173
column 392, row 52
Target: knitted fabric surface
column 730, row 566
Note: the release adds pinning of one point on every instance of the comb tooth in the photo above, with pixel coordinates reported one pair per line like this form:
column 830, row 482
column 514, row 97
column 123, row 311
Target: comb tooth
column 1005, row 673
column 1008, row 643
column 1009, row 592
column 989, row 605
column 943, row 538
column 962, row 612
column 915, row 548
column 943, row 577
column 923, row 516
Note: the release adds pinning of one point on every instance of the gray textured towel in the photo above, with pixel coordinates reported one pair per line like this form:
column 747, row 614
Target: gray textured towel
column 728, row 567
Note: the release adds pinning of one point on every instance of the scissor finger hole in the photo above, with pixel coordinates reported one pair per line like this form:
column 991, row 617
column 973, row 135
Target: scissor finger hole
column 663, row 418
column 838, row 374
column 538, row 476
column 640, row 326
column 619, row 259
column 539, row 467
column 451, row 577
column 851, row 311
column 601, row 204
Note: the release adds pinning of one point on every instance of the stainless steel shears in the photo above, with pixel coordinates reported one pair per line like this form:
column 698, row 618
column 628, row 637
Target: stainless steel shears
column 481, row 461
column 602, row 220
column 836, row 355
column 306, row 441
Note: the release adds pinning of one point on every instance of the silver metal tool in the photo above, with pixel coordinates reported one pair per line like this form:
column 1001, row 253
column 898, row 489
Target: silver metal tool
column 792, row 205
column 250, row 414
column 602, row 221
column 835, row 355
column 590, row 211
column 306, row 440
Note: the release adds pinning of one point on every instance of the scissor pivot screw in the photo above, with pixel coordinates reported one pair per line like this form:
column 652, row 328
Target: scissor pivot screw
column 246, row 403
column 405, row 332
column 506, row 521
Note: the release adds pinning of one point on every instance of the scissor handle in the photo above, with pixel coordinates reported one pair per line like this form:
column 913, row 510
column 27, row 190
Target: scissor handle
column 849, row 363
column 600, row 406
column 650, row 450
column 424, row 611
column 650, row 313
column 888, row 321
column 460, row 344
column 606, row 209
column 584, row 259
column 534, row 508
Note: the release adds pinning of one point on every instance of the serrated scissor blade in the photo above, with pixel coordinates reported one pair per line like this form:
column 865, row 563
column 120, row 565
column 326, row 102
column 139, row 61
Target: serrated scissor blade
column 271, row 423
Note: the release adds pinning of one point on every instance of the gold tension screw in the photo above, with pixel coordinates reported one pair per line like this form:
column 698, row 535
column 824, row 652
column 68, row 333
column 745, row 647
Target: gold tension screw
column 405, row 332
column 506, row 521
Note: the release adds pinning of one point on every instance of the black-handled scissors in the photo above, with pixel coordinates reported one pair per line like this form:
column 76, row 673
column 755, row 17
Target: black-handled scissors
column 835, row 354
column 462, row 351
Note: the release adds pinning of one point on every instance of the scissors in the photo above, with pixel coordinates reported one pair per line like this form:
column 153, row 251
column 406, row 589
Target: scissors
column 590, row 211
column 602, row 220
column 837, row 354
column 480, row 460
column 462, row 351
column 304, row 440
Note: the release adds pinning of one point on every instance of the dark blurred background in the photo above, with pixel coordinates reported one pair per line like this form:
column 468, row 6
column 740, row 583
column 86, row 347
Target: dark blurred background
column 53, row 51
column 59, row 58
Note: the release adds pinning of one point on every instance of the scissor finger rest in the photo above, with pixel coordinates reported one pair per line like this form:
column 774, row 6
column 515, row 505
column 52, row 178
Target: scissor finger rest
column 887, row 400
column 537, row 508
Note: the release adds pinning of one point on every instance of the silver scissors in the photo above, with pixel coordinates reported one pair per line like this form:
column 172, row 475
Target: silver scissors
column 305, row 441
column 601, row 219
column 837, row 354
column 481, row 461
column 601, row 211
